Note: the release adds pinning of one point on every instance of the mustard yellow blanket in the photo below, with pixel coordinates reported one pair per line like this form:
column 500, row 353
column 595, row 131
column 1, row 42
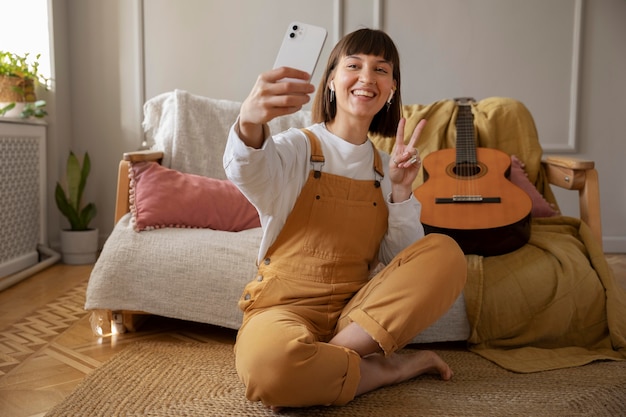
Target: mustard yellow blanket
column 551, row 304
column 554, row 302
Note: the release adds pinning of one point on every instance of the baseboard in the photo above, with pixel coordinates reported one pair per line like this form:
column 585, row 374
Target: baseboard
column 614, row 244
column 46, row 256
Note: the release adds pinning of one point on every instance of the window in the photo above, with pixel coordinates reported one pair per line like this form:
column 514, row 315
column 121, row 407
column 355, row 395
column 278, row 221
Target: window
column 25, row 29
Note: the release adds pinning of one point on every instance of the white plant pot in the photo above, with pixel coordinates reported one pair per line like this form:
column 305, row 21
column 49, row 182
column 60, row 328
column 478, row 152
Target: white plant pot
column 15, row 111
column 79, row 247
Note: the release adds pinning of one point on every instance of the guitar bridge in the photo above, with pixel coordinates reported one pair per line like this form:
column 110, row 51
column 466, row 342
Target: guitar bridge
column 467, row 199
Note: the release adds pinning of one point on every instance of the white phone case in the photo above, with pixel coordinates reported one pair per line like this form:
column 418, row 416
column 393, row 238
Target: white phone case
column 301, row 47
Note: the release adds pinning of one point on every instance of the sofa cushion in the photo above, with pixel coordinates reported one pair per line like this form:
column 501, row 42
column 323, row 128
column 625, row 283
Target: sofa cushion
column 187, row 274
column 163, row 197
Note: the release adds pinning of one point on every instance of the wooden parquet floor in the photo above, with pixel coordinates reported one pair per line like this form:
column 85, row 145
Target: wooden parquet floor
column 47, row 346
column 22, row 339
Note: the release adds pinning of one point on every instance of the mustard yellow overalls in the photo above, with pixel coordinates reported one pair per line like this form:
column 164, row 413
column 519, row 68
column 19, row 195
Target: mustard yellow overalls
column 313, row 282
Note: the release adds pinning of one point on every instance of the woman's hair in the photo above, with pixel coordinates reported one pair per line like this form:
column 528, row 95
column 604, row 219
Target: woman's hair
column 368, row 42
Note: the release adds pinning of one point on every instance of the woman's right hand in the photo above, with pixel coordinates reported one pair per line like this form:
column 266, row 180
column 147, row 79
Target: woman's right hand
column 270, row 98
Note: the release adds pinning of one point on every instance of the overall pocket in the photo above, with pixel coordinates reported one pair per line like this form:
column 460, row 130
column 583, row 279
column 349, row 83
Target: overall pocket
column 342, row 229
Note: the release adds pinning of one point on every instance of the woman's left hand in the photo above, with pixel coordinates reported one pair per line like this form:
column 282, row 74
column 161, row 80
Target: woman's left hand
column 405, row 162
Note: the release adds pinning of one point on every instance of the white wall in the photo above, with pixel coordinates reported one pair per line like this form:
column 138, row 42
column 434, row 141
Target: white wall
column 214, row 48
column 121, row 51
column 97, row 106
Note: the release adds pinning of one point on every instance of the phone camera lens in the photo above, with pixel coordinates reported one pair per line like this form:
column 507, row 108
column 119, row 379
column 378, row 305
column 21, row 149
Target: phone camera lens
column 292, row 35
column 295, row 27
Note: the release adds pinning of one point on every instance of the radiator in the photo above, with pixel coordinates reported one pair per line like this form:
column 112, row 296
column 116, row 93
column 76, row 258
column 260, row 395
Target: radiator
column 22, row 195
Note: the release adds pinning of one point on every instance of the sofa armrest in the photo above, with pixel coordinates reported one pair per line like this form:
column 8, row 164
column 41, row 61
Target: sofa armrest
column 581, row 175
column 122, row 204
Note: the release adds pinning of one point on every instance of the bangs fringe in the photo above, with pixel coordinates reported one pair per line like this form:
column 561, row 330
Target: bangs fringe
column 371, row 42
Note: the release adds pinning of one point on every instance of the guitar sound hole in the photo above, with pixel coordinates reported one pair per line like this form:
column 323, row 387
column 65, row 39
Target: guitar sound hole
column 466, row 170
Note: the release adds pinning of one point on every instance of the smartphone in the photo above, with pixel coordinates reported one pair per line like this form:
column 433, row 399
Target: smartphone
column 301, row 47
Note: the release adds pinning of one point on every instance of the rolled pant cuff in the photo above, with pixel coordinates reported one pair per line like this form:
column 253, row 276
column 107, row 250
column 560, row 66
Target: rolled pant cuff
column 353, row 377
column 386, row 342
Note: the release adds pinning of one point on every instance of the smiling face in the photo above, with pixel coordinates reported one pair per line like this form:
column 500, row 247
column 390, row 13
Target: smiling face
column 357, row 61
column 362, row 85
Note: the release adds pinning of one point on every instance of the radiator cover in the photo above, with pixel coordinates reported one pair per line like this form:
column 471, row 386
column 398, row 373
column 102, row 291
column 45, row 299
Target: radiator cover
column 22, row 194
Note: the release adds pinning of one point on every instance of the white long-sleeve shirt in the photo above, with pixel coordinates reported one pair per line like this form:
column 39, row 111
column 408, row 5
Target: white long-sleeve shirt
column 273, row 176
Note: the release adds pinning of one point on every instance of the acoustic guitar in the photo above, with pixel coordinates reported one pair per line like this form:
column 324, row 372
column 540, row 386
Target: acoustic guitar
column 467, row 195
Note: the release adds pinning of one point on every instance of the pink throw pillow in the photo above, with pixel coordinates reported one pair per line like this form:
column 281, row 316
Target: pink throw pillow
column 162, row 197
column 540, row 207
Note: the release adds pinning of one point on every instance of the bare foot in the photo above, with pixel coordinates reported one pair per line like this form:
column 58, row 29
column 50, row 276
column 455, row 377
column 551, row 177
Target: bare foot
column 274, row 408
column 378, row 370
column 420, row 362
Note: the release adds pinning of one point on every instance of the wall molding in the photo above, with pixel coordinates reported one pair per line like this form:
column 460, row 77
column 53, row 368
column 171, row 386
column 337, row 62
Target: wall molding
column 378, row 8
column 571, row 146
column 338, row 17
column 378, row 14
column 574, row 82
column 141, row 58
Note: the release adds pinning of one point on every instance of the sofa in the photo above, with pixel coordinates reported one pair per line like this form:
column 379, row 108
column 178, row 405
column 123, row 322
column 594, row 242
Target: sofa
column 196, row 269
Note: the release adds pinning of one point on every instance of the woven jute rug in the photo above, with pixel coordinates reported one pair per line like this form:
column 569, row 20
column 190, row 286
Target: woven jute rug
column 199, row 379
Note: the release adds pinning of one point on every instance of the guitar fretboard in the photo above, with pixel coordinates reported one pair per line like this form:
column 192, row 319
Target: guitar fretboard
column 465, row 144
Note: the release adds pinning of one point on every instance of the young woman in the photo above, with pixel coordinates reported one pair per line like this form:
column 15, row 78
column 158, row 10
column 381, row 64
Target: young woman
column 317, row 329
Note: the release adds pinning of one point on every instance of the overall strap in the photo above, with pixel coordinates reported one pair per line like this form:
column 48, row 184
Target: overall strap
column 317, row 156
column 378, row 165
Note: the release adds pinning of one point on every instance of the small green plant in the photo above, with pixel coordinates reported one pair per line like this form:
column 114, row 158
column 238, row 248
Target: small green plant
column 36, row 109
column 69, row 203
column 15, row 65
column 19, row 76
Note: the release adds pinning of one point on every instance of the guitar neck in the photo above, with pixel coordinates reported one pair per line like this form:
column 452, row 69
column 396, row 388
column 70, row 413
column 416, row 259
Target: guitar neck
column 465, row 143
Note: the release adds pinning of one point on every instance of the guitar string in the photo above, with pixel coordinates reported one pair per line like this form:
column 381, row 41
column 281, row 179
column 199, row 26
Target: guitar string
column 471, row 147
column 459, row 150
column 466, row 163
column 463, row 149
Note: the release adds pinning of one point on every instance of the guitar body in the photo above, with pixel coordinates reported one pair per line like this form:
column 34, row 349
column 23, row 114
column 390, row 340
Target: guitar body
column 474, row 203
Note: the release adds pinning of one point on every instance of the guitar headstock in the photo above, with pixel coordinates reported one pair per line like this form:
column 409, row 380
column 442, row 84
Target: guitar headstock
column 464, row 101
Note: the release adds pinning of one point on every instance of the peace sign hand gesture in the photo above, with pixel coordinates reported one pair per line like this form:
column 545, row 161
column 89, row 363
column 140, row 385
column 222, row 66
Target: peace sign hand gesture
column 405, row 162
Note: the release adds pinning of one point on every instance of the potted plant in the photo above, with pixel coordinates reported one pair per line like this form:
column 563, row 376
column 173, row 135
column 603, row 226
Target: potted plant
column 79, row 243
column 19, row 77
